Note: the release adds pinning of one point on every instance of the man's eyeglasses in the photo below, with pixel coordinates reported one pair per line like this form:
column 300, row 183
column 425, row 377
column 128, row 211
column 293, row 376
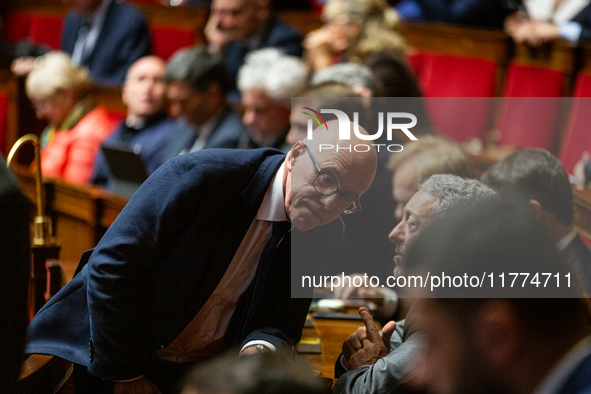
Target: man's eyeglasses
column 325, row 184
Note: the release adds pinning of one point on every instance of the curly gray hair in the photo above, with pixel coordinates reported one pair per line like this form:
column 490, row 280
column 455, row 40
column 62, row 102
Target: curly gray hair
column 452, row 193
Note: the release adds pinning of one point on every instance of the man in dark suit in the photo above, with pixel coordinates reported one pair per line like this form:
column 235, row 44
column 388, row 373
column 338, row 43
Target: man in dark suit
column 146, row 128
column 197, row 86
column 473, row 344
column 538, row 176
column 15, row 256
column 196, row 262
column 236, row 27
column 107, row 36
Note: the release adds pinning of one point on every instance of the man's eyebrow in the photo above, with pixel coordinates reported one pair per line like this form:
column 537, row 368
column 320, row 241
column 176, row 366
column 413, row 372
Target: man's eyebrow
column 409, row 211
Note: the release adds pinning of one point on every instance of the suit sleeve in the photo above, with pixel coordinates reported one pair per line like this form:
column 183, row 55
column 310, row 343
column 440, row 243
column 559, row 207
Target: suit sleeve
column 118, row 274
column 385, row 376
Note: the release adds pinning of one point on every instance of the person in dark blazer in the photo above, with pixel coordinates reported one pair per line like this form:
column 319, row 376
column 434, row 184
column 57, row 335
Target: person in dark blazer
column 147, row 128
column 186, row 270
column 107, row 36
column 539, row 177
column 15, row 256
column 235, row 28
column 197, row 86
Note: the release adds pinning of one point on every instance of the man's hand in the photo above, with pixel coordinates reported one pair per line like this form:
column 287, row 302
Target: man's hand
column 543, row 32
column 22, row 66
column 215, row 37
column 366, row 346
column 138, row 386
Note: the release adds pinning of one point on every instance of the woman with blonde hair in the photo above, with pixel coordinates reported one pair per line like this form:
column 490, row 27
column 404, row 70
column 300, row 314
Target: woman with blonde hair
column 59, row 92
column 352, row 30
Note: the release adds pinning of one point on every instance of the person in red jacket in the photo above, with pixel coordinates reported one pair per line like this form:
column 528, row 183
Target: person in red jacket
column 59, row 93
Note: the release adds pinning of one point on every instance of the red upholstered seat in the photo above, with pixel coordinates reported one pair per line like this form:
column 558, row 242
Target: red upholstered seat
column 530, row 110
column 46, row 29
column 468, row 85
column 16, row 26
column 167, row 40
column 416, row 63
column 577, row 135
column 3, row 125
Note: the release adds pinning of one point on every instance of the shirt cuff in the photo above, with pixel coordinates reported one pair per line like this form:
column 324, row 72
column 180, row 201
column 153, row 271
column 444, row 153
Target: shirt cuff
column 570, row 31
column 259, row 342
column 344, row 364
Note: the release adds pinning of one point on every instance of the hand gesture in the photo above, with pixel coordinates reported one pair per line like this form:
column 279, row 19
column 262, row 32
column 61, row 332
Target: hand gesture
column 214, row 35
column 366, row 346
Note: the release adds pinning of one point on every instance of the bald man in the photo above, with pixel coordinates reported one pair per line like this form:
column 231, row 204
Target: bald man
column 199, row 261
column 146, row 129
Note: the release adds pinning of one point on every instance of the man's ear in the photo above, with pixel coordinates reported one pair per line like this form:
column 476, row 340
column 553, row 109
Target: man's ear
column 296, row 151
column 536, row 208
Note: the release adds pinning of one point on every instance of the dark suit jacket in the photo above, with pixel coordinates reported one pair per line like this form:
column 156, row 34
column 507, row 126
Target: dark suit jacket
column 160, row 261
column 123, row 39
column 579, row 381
column 226, row 134
column 466, row 12
column 152, row 141
column 15, row 258
column 276, row 34
column 584, row 18
column 579, row 257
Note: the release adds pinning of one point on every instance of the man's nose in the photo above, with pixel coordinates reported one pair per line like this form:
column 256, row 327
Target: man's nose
column 397, row 233
column 248, row 118
column 330, row 202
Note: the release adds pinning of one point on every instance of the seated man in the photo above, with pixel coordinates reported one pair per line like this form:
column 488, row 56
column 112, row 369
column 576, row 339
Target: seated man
column 473, row 344
column 182, row 272
column 146, row 128
column 378, row 365
column 268, row 80
column 106, row 36
column 236, row 27
column 197, row 86
column 539, row 177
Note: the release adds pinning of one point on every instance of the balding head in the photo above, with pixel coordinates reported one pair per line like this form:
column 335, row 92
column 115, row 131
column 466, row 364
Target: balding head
column 313, row 200
column 144, row 88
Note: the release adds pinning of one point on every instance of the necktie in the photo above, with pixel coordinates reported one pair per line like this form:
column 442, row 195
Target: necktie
column 280, row 229
column 79, row 55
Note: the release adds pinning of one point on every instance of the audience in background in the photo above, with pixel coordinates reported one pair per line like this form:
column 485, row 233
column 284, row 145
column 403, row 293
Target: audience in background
column 483, row 13
column 378, row 365
column 393, row 74
column 106, row 36
column 267, row 373
column 540, row 21
column 267, row 81
column 15, row 255
column 236, row 27
column 537, row 176
column 352, row 30
column 59, row 92
column 147, row 129
column 497, row 345
column 197, row 87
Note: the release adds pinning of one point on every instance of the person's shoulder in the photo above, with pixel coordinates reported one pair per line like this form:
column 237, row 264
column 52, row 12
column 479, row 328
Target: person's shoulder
column 279, row 31
column 130, row 14
column 97, row 122
column 232, row 158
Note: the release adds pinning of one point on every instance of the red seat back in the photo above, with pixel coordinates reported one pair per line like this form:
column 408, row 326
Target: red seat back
column 167, row 40
column 16, row 26
column 577, row 135
column 459, row 93
column 46, row 29
column 531, row 106
column 3, row 124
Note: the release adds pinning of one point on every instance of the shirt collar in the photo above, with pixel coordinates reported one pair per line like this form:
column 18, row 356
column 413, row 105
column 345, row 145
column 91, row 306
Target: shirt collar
column 273, row 206
column 567, row 239
column 98, row 17
column 562, row 370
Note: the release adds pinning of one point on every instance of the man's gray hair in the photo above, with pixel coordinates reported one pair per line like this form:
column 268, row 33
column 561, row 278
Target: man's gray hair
column 348, row 73
column 452, row 193
column 197, row 66
column 280, row 76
